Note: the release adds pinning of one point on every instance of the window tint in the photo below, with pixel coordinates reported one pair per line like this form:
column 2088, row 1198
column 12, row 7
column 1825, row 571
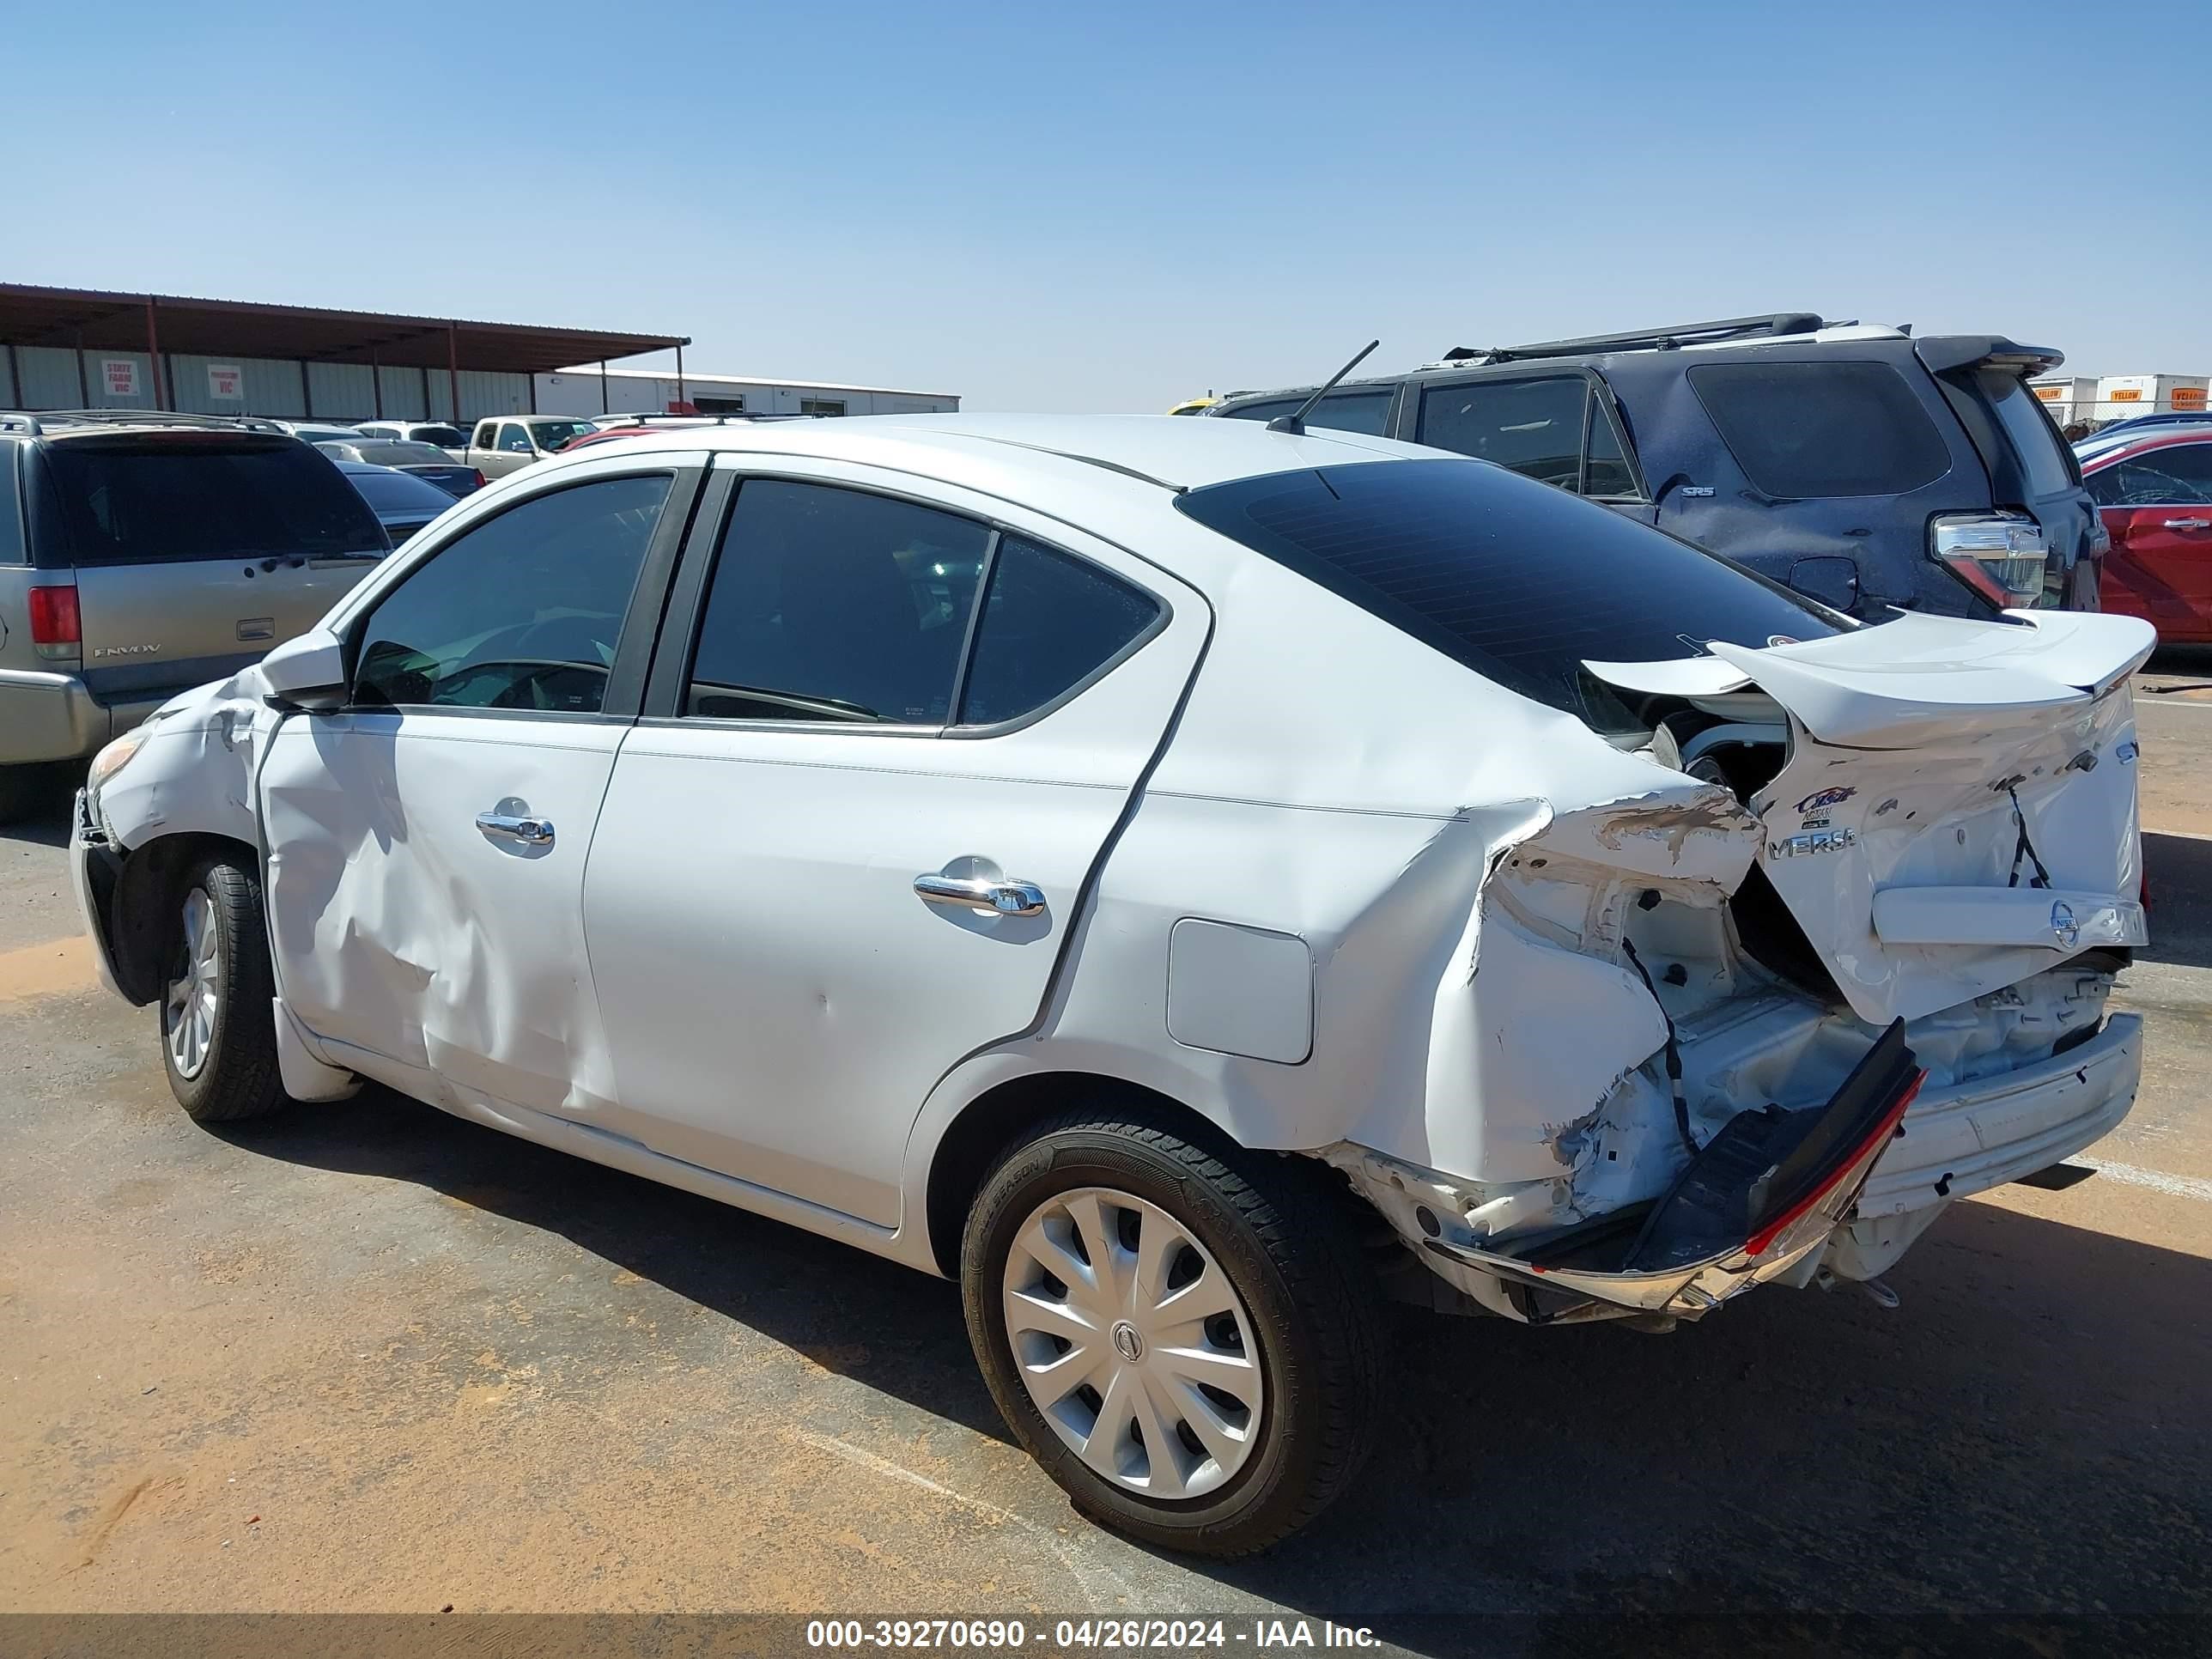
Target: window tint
column 1048, row 621
column 522, row 612
column 1800, row 429
column 2178, row 476
column 513, row 439
column 1367, row 409
column 1520, row 583
column 487, row 433
column 400, row 492
column 2027, row 428
column 445, row 437
column 834, row 604
column 1606, row 471
column 140, row 502
column 11, row 507
column 1533, row 428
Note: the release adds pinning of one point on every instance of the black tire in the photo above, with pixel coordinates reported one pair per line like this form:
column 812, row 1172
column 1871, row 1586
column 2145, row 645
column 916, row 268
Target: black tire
column 27, row 791
column 237, row 1075
column 1278, row 1227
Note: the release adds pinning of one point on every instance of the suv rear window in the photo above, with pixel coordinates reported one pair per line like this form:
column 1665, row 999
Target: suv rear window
column 166, row 500
column 1516, row 580
column 1817, row 429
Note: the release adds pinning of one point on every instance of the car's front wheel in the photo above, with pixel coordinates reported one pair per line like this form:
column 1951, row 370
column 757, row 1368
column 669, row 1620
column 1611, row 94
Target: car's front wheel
column 218, row 1027
column 1186, row 1338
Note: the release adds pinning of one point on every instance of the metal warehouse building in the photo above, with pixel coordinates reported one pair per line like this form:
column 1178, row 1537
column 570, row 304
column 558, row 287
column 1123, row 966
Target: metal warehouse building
column 83, row 349
column 591, row 390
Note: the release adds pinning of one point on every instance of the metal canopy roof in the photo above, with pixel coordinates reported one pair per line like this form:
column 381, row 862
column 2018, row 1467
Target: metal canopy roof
column 123, row 322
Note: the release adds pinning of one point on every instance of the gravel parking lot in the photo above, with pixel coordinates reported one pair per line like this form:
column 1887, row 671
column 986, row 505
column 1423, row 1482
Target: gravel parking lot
column 366, row 1357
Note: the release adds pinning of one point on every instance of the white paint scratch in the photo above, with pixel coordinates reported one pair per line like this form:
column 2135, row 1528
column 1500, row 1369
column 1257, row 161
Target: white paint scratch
column 1104, row 1588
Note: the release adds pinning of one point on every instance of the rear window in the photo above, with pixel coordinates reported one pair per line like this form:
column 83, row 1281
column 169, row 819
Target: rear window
column 2027, row 428
column 182, row 499
column 397, row 492
column 1516, row 580
column 398, row 453
column 446, row 437
column 1826, row 429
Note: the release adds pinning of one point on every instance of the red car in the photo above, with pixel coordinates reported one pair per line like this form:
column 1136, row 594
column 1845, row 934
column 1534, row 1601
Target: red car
column 2154, row 494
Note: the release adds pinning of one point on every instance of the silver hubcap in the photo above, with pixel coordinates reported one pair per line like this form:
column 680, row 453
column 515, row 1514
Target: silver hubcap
column 188, row 1012
column 1132, row 1343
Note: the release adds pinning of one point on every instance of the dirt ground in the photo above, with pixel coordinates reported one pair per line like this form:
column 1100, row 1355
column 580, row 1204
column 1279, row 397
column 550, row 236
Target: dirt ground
column 368, row 1357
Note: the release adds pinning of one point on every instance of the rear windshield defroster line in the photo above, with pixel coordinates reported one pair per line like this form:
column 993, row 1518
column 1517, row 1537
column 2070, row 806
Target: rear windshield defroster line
column 163, row 500
column 1511, row 578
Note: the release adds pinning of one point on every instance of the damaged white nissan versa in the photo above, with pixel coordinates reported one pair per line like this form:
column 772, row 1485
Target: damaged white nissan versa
column 1186, row 881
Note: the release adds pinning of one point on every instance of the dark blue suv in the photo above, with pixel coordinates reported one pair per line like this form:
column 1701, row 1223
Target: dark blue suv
column 1861, row 465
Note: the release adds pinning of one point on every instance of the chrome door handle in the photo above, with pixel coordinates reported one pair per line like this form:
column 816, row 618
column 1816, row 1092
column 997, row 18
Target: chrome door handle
column 508, row 826
column 2187, row 524
column 1008, row 898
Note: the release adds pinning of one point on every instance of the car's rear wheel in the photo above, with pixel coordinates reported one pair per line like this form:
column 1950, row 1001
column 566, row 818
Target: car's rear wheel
column 218, row 1027
column 1185, row 1338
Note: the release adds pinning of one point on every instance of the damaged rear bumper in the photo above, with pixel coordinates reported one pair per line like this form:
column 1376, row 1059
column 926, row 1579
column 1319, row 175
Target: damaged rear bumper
column 1901, row 1155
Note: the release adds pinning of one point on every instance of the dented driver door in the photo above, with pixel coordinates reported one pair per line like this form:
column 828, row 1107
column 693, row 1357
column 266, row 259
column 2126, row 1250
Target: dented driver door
column 427, row 843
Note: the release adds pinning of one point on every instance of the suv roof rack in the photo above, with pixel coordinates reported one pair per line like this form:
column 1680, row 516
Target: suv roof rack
column 34, row 423
column 1650, row 339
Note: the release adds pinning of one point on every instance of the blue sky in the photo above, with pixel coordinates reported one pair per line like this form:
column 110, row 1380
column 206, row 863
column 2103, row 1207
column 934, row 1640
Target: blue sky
column 1087, row 208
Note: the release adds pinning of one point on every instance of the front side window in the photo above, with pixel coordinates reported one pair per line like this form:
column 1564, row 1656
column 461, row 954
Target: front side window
column 834, row 605
column 513, row 440
column 2180, row 475
column 1533, row 428
column 522, row 612
column 1822, row 430
column 1050, row 622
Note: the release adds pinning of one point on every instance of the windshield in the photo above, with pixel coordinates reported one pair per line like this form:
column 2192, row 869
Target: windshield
column 551, row 435
column 400, row 492
column 205, row 497
column 2027, row 428
column 1516, row 580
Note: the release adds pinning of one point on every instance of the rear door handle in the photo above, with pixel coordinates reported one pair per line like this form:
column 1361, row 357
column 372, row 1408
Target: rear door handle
column 2187, row 524
column 1008, row 898
column 508, row 826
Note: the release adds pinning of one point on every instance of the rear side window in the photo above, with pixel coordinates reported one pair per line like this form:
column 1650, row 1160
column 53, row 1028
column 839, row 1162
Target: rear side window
column 189, row 498
column 1366, row 411
column 1048, row 624
column 2027, row 428
column 835, row 604
column 1555, row 430
column 521, row 612
column 1519, row 582
column 1822, row 430
column 11, row 506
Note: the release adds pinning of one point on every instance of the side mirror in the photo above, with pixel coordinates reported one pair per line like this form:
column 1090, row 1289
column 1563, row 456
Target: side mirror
column 1831, row 579
column 307, row 672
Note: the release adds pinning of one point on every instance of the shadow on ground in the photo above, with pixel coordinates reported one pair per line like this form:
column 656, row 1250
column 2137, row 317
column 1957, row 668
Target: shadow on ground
column 2028, row 1433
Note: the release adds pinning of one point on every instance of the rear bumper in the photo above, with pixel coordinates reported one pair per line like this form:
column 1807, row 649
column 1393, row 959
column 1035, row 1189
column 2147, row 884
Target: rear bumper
column 1970, row 1137
column 55, row 717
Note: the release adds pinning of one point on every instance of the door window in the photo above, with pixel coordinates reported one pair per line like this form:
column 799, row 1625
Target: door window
column 1533, row 428
column 1049, row 622
column 834, row 605
column 486, row 432
column 1366, row 410
column 513, row 440
column 523, row 612
column 2180, row 475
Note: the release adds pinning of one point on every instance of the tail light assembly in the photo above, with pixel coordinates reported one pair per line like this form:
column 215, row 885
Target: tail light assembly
column 2001, row 556
column 57, row 625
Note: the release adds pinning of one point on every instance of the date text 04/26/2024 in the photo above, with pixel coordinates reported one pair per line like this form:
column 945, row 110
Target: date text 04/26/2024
column 1084, row 1635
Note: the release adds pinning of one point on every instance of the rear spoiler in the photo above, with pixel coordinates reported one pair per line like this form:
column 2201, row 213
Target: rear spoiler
column 1945, row 352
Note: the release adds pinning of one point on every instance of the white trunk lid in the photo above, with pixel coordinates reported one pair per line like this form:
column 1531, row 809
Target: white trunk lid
column 1958, row 811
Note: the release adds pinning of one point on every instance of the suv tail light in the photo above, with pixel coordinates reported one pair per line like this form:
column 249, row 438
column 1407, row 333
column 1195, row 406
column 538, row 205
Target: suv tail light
column 57, row 628
column 2001, row 556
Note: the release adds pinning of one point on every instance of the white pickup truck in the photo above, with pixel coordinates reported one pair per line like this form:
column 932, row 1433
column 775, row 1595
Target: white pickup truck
column 506, row 443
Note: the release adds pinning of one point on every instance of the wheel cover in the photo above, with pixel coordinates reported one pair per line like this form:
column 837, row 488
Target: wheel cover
column 195, row 995
column 1135, row 1346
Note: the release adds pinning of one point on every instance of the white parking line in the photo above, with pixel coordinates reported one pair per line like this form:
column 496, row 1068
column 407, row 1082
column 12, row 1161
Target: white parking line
column 2157, row 1181
column 1101, row 1583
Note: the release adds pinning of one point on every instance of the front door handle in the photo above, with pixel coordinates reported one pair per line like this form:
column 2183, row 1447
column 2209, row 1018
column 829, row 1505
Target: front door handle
column 2187, row 524
column 509, row 826
column 1008, row 898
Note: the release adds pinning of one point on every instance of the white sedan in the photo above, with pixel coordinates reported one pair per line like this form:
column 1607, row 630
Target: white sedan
column 1189, row 882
